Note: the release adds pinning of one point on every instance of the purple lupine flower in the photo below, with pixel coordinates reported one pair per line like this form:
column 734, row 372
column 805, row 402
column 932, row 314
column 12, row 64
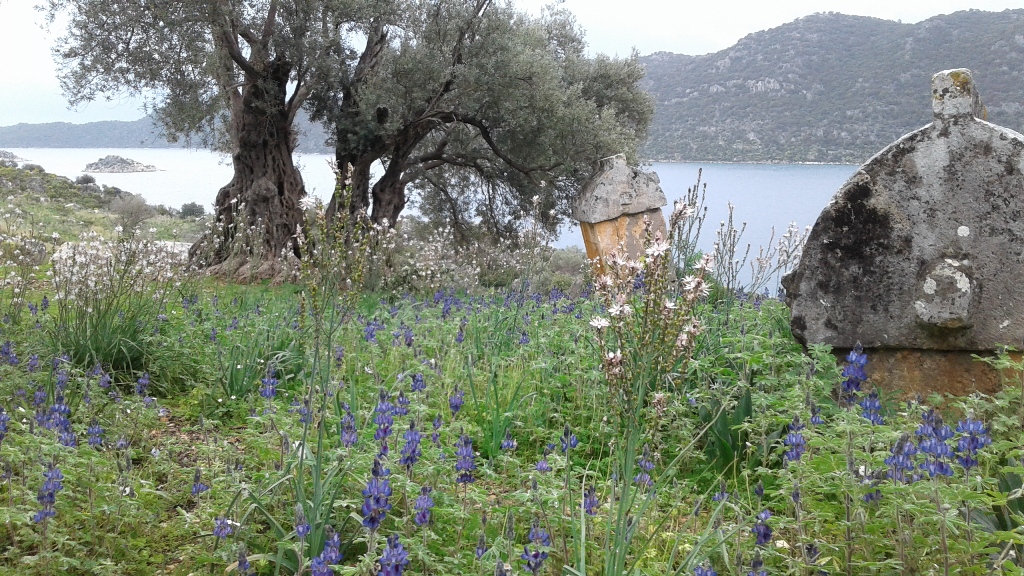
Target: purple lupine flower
column 508, row 443
column 455, row 401
column 411, row 450
column 533, row 559
column 394, row 559
column 243, row 561
column 95, row 432
column 302, row 526
column 5, row 420
column 122, row 444
column 401, row 404
column 759, row 490
column 568, row 439
column 704, row 571
column 871, row 407
column 349, row 436
column 854, row 374
column 384, row 418
column 539, row 538
column 481, row 547
column 424, row 504
column 435, row 436
column 795, row 441
column 932, row 435
column 524, row 338
column 142, row 384
column 33, row 363
column 722, row 494
column 974, row 437
column 221, row 528
column 465, row 460
column 643, row 478
column 39, row 397
column 590, row 501
column 757, row 565
column 816, row 419
column 376, row 495
column 370, row 331
column 47, row 495
column 7, row 353
column 197, row 483
column 306, row 411
column 542, row 465
column 331, row 553
column 319, row 567
column 269, row 388
column 762, row 531
column 104, row 381
column 418, row 383
column 901, row 460
column 539, row 535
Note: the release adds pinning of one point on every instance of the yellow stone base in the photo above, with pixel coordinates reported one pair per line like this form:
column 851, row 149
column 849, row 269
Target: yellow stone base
column 908, row 373
column 603, row 238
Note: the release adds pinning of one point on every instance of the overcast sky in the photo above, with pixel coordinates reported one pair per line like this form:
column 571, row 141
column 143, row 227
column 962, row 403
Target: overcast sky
column 29, row 91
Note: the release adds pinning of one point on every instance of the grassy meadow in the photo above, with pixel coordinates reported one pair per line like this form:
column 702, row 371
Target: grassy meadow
column 388, row 411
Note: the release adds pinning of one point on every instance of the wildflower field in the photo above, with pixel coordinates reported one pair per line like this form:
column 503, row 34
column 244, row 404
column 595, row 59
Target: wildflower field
column 648, row 420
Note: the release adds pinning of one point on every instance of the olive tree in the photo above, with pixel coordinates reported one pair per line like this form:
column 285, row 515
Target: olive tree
column 233, row 73
column 479, row 108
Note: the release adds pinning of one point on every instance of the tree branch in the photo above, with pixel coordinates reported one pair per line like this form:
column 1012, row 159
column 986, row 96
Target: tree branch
column 485, row 133
column 268, row 25
column 230, row 43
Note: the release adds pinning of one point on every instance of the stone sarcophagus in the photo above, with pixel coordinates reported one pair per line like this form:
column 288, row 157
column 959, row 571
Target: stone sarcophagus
column 919, row 256
column 614, row 206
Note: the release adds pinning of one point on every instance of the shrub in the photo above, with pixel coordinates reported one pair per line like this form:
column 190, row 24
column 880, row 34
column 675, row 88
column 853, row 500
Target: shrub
column 85, row 179
column 131, row 210
column 192, row 210
column 108, row 294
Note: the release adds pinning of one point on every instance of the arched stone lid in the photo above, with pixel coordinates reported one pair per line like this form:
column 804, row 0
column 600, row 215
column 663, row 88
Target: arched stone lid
column 923, row 247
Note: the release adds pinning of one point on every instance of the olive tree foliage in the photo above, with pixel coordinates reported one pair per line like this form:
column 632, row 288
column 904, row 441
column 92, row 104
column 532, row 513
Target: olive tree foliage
column 490, row 116
column 232, row 72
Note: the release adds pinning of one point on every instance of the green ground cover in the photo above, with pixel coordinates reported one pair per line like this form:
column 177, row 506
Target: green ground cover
column 649, row 422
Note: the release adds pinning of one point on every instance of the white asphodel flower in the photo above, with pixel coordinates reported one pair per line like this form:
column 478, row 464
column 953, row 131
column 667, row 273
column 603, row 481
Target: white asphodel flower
column 657, row 248
column 600, row 323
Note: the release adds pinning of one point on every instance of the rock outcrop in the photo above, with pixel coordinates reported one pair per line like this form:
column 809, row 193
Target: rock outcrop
column 919, row 254
column 118, row 164
column 614, row 207
column 10, row 156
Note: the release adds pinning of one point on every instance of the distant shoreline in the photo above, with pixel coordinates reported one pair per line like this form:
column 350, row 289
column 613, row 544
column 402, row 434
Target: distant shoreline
column 643, row 161
column 754, row 162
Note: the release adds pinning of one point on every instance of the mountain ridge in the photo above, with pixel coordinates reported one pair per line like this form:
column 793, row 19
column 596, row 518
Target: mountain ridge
column 827, row 87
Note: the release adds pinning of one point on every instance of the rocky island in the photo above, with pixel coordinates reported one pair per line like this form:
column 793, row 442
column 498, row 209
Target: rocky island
column 118, row 164
column 10, row 156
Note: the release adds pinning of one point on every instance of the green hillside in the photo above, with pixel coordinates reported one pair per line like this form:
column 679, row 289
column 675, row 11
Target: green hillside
column 828, row 87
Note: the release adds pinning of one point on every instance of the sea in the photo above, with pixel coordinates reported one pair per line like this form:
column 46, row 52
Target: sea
column 765, row 198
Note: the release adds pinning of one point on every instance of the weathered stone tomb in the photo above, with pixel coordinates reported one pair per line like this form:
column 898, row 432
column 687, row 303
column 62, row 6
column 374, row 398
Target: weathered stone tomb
column 920, row 254
column 613, row 206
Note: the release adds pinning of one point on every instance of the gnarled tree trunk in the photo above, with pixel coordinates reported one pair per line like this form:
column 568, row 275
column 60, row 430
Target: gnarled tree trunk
column 258, row 212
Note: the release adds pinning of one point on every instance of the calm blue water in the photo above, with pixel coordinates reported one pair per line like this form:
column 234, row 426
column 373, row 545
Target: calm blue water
column 764, row 196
